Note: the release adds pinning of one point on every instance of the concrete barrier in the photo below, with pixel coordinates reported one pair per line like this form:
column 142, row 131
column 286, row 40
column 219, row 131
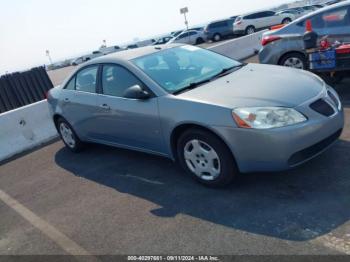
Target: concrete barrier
column 25, row 128
column 240, row 48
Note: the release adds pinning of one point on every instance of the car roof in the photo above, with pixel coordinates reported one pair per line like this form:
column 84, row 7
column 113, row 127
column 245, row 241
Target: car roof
column 221, row 20
column 251, row 13
column 130, row 54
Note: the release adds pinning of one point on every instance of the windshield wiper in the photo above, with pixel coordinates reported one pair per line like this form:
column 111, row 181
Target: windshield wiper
column 191, row 86
column 223, row 72
column 226, row 71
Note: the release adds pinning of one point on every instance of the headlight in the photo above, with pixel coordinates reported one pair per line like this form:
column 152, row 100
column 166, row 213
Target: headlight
column 266, row 117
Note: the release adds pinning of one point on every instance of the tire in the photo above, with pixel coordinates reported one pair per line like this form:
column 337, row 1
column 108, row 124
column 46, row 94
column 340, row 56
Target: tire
column 250, row 30
column 217, row 37
column 286, row 21
column 212, row 163
column 199, row 41
column 294, row 60
column 68, row 136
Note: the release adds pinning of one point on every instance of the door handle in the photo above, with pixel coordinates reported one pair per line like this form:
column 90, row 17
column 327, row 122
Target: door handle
column 105, row 107
column 66, row 100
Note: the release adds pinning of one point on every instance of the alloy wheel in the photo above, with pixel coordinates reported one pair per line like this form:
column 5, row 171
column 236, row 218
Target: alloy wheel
column 294, row 62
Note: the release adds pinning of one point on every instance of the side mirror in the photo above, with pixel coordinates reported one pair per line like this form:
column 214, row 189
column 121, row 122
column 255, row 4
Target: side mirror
column 136, row 92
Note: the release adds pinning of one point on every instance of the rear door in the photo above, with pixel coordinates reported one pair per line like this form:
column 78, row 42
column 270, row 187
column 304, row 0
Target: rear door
column 259, row 20
column 79, row 101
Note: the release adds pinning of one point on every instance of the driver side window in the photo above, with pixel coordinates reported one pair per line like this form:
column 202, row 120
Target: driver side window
column 116, row 80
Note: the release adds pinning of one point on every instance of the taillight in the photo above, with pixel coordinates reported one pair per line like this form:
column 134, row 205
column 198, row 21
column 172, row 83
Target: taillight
column 269, row 39
column 238, row 22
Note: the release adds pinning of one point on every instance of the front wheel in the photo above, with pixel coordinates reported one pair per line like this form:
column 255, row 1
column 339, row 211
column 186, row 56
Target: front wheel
column 206, row 158
column 68, row 136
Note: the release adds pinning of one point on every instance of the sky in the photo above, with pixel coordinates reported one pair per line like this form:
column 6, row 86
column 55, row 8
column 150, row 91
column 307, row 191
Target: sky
column 68, row 28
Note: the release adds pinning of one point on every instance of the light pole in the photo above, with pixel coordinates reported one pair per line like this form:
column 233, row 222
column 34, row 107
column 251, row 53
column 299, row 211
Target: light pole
column 184, row 11
column 48, row 55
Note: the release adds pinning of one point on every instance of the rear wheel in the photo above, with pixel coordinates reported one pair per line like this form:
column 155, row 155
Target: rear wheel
column 68, row 136
column 206, row 158
column 294, row 60
column 286, row 21
column 217, row 37
column 250, row 30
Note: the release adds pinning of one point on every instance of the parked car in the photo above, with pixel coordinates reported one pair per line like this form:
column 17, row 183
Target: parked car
column 216, row 116
column 309, row 8
column 218, row 30
column 286, row 47
column 333, row 2
column 292, row 12
column 318, row 6
column 250, row 23
column 190, row 37
column 163, row 40
column 88, row 57
column 77, row 61
column 110, row 49
column 176, row 33
column 132, row 46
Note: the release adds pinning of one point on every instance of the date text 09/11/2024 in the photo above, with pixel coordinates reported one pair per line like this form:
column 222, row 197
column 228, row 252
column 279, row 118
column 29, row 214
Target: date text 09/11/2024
column 173, row 258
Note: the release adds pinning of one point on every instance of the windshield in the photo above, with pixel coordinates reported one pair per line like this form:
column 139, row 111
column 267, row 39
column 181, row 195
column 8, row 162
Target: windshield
column 177, row 68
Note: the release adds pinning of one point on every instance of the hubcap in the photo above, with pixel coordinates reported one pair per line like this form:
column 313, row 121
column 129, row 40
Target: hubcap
column 286, row 21
column 250, row 30
column 294, row 62
column 202, row 160
column 217, row 37
column 67, row 135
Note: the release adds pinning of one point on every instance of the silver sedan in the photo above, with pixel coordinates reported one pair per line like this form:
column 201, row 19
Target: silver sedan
column 215, row 116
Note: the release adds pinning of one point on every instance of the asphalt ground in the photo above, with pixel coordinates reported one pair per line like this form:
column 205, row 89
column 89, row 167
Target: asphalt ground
column 113, row 201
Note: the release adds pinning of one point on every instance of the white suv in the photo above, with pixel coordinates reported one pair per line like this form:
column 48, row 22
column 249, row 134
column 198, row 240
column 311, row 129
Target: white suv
column 250, row 23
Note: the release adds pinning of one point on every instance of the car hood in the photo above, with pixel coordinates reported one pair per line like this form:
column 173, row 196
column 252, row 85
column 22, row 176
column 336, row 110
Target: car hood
column 259, row 85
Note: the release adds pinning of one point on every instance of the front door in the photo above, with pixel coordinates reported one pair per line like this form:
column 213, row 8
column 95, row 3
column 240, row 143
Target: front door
column 127, row 122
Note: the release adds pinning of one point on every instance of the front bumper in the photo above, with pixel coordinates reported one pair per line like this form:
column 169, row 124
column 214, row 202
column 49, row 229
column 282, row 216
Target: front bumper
column 283, row 148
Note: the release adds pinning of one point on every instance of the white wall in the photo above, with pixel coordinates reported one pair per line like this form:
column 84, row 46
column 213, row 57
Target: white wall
column 24, row 128
column 240, row 48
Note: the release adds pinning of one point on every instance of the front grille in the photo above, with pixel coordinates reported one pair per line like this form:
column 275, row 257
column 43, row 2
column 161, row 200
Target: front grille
column 311, row 151
column 322, row 107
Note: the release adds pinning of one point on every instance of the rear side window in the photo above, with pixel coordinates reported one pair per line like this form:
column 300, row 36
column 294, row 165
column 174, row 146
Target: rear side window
column 252, row 16
column 183, row 36
column 116, row 79
column 334, row 18
column 86, row 80
column 218, row 24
